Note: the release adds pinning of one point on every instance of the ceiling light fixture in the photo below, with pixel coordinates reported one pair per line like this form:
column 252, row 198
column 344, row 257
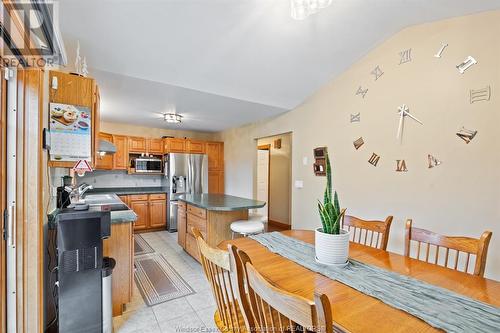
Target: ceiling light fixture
column 301, row 9
column 173, row 118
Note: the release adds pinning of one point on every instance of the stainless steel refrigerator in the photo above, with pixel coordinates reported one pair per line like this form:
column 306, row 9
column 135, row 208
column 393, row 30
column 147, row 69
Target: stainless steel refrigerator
column 186, row 174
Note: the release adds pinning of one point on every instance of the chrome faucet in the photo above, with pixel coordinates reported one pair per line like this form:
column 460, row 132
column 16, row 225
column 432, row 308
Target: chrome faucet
column 76, row 193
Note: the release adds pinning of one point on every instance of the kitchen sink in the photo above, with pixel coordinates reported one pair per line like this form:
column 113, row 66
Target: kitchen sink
column 109, row 202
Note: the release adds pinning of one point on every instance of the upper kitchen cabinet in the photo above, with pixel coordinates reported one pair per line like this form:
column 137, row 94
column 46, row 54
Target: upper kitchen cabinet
column 136, row 144
column 120, row 158
column 195, row 146
column 174, row 145
column 76, row 90
column 154, row 146
column 104, row 162
column 215, row 152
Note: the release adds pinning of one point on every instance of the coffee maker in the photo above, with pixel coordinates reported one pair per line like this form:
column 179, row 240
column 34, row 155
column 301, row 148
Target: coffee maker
column 63, row 200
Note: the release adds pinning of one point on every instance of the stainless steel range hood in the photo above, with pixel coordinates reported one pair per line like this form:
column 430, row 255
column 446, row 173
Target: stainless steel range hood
column 106, row 147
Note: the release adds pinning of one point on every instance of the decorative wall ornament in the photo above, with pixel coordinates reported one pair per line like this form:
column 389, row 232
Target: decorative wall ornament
column 362, row 91
column 78, row 60
column 469, row 61
column 377, row 72
column 358, row 143
column 466, row 134
column 433, row 162
column 85, row 70
column 356, row 118
column 401, row 166
column 441, row 50
column 374, row 159
column 405, row 56
column 480, row 95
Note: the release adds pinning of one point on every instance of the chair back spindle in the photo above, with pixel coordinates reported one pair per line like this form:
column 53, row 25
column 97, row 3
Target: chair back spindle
column 370, row 233
column 269, row 309
column 217, row 269
column 459, row 253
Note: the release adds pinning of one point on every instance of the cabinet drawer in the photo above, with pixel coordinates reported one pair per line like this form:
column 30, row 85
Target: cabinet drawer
column 200, row 212
column 192, row 247
column 196, row 222
column 158, row 196
column 138, row 197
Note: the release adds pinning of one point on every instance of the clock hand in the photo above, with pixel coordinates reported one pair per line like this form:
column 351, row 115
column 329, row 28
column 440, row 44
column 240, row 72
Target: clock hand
column 400, row 128
column 412, row 117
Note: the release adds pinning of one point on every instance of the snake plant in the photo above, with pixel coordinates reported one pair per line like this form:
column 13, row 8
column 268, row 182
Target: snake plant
column 329, row 209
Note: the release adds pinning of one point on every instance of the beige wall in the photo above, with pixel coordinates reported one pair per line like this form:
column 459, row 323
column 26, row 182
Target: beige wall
column 461, row 196
column 279, row 177
column 127, row 129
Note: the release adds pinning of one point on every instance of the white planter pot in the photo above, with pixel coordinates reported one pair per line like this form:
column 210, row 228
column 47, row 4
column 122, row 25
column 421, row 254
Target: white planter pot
column 332, row 249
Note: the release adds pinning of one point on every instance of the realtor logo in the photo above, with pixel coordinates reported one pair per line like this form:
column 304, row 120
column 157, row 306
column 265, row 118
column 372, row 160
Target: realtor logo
column 28, row 29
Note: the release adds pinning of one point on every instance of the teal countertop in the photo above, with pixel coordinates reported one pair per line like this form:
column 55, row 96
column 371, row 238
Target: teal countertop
column 220, row 202
column 120, row 216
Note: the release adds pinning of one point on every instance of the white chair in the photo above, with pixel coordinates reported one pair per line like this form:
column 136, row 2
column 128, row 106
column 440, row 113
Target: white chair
column 254, row 225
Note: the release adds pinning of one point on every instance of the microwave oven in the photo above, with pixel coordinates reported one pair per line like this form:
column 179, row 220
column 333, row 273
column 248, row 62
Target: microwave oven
column 148, row 164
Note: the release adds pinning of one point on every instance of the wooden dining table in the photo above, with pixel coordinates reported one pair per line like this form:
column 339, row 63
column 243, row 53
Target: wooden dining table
column 353, row 311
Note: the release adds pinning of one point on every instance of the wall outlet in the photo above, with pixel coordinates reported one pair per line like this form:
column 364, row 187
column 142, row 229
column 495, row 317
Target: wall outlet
column 299, row 184
column 305, row 160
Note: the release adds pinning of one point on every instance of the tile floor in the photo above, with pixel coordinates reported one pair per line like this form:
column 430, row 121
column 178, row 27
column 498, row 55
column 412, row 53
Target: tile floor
column 190, row 314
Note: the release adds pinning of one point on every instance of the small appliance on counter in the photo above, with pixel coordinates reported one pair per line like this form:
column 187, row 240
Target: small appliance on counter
column 63, row 199
column 82, row 274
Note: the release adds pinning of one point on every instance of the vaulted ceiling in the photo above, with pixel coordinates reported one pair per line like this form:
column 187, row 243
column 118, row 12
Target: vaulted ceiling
column 224, row 63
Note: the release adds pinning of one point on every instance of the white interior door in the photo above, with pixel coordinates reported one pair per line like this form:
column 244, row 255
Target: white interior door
column 263, row 180
column 11, row 199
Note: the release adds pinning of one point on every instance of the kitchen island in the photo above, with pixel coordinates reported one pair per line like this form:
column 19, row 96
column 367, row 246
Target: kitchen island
column 212, row 214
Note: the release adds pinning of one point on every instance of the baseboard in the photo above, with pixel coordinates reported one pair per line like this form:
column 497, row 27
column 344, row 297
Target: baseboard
column 279, row 225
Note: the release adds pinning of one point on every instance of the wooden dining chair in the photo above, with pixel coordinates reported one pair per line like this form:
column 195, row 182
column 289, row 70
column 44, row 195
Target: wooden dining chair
column 470, row 248
column 216, row 266
column 369, row 233
column 268, row 309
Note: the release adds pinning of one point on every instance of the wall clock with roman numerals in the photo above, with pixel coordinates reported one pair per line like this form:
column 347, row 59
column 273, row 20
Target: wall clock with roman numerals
column 407, row 115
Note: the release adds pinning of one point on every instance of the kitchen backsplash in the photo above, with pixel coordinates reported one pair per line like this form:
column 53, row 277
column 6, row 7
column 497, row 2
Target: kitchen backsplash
column 120, row 179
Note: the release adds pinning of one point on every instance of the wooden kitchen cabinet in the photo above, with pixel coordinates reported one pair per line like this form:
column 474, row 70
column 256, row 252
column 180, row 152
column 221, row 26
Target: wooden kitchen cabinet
column 120, row 158
column 174, row 145
column 124, row 198
column 104, row 162
column 76, row 90
column 151, row 211
column 215, row 181
column 154, row 146
column 120, row 246
column 181, row 223
column 157, row 211
column 136, row 144
column 195, row 146
column 215, row 153
column 141, row 209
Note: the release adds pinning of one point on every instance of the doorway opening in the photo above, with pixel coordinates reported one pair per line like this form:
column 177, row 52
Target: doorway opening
column 274, row 179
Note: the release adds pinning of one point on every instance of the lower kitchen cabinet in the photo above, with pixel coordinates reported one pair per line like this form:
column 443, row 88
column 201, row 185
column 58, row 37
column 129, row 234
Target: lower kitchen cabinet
column 120, row 246
column 141, row 209
column 151, row 211
column 181, row 223
column 157, row 213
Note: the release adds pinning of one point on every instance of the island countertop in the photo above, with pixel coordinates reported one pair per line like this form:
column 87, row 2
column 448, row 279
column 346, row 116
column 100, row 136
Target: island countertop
column 220, row 202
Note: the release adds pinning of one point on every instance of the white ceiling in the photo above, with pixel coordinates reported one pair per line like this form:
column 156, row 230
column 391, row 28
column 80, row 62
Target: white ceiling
column 224, row 63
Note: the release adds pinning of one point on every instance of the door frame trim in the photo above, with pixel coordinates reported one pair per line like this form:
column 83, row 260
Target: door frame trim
column 268, row 148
